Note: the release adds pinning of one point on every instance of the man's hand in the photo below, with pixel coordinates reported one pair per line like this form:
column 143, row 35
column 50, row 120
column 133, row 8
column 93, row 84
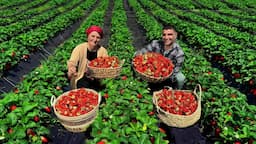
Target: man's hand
column 173, row 78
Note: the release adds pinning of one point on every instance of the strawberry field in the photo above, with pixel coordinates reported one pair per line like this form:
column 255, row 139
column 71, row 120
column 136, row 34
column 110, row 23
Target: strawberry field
column 37, row 38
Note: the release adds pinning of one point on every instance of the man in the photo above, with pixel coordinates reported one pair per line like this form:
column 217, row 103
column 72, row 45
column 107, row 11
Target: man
column 169, row 48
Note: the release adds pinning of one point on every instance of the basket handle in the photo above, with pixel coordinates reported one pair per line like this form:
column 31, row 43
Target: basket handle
column 99, row 100
column 168, row 87
column 198, row 86
column 122, row 62
column 53, row 100
column 155, row 102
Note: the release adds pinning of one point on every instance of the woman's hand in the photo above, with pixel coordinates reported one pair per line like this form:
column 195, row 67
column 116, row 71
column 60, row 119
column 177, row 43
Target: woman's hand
column 72, row 71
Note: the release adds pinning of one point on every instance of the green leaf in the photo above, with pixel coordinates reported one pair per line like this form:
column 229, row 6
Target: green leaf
column 12, row 118
column 28, row 106
column 19, row 132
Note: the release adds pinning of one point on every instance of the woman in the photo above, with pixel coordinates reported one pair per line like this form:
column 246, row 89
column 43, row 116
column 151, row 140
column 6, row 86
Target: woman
column 81, row 55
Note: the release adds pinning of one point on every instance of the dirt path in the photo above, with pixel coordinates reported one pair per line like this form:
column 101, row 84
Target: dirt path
column 139, row 37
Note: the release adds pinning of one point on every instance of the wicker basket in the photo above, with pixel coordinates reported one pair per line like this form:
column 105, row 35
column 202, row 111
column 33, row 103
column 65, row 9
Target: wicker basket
column 77, row 123
column 105, row 72
column 175, row 120
column 151, row 79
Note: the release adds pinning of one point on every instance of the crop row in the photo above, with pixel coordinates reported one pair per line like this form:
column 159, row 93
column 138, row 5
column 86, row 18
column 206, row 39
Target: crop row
column 32, row 96
column 234, row 57
column 19, row 47
column 218, row 99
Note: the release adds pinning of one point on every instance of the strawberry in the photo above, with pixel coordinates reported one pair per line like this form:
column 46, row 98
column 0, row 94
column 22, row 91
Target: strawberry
column 105, row 95
column 36, row 118
column 151, row 113
column 152, row 140
column 251, row 82
column 101, row 142
column 16, row 90
column 13, row 107
column 10, row 130
column 58, row 88
column 30, row 132
column 47, row 109
column 217, row 131
column 124, row 77
column 36, row 92
column 139, row 96
column 44, row 139
column 162, row 130
column 213, row 123
column 253, row 91
column 236, row 75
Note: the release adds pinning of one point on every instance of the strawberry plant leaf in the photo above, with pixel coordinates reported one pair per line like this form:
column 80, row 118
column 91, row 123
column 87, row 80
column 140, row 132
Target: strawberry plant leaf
column 28, row 106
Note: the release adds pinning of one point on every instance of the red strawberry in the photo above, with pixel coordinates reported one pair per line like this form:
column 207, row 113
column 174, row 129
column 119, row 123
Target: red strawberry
column 101, row 142
column 251, row 82
column 213, row 123
column 253, row 91
column 236, row 75
column 151, row 113
column 25, row 56
column 36, row 91
column 58, row 88
column 152, row 140
column 47, row 109
column 44, row 139
column 162, row 130
column 36, row 118
column 10, row 130
column 30, row 132
column 124, row 77
column 139, row 96
column 16, row 90
column 217, row 131
column 13, row 107
column 105, row 95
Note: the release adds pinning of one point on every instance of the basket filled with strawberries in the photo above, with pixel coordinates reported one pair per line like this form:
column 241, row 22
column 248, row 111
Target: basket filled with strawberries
column 105, row 67
column 178, row 108
column 152, row 67
column 76, row 109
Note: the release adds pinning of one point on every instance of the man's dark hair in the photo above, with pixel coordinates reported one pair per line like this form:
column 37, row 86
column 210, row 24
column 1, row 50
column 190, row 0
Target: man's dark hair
column 169, row 27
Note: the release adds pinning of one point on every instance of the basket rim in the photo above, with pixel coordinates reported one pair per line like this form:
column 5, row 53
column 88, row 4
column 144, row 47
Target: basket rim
column 152, row 77
column 198, row 98
column 121, row 62
column 54, row 101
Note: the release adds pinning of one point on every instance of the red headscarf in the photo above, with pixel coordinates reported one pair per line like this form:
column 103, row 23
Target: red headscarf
column 94, row 28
